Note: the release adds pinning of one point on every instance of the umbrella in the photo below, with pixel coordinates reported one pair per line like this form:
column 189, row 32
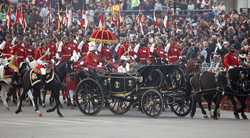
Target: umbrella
column 103, row 36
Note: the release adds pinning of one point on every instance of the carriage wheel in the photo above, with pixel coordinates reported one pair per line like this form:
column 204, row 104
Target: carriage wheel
column 119, row 106
column 89, row 97
column 152, row 103
column 182, row 106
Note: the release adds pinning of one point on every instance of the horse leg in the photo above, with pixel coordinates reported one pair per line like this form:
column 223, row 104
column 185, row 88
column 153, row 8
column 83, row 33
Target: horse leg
column 236, row 112
column 209, row 104
column 36, row 96
column 217, row 101
column 44, row 98
column 19, row 105
column 242, row 100
column 32, row 99
column 193, row 107
column 53, row 108
column 204, row 114
column 4, row 96
column 57, row 99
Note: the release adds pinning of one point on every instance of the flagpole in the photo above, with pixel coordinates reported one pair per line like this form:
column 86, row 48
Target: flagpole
column 174, row 18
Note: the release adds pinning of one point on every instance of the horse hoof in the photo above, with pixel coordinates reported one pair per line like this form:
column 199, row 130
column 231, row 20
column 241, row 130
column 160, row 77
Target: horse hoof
column 43, row 105
column 204, row 117
column 18, row 111
column 236, row 115
column 244, row 116
column 50, row 110
column 60, row 114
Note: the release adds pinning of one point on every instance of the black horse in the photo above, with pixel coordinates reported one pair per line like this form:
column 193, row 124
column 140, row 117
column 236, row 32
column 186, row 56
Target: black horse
column 51, row 81
column 206, row 86
column 61, row 70
column 236, row 84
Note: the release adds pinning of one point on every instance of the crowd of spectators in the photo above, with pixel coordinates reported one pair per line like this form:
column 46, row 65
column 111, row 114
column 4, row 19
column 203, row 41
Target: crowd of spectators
column 200, row 33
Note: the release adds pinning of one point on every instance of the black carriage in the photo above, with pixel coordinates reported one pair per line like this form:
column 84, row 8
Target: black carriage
column 151, row 88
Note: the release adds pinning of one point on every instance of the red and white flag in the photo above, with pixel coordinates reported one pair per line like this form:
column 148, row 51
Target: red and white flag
column 157, row 21
column 8, row 19
column 84, row 20
column 101, row 21
column 24, row 23
column 18, row 16
column 140, row 22
column 166, row 22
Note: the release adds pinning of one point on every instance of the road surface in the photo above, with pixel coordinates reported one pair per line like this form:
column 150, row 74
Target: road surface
column 106, row 125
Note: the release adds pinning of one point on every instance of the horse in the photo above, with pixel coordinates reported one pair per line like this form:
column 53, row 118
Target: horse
column 236, row 84
column 205, row 85
column 198, row 83
column 61, row 70
column 8, row 81
column 51, row 81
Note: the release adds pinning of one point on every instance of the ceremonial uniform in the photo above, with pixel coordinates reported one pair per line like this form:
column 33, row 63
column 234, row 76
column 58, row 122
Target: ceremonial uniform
column 160, row 53
column 106, row 53
column 122, row 49
column 91, row 60
column 7, row 51
column 67, row 50
column 21, row 53
column 173, row 54
column 230, row 59
column 143, row 54
column 52, row 51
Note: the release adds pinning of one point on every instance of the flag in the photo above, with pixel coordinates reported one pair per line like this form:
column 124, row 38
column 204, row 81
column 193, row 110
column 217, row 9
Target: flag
column 135, row 3
column 101, row 22
column 65, row 18
column 18, row 16
column 166, row 22
column 157, row 21
column 140, row 22
column 24, row 23
column 8, row 19
column 84, row 20
column 116, row 9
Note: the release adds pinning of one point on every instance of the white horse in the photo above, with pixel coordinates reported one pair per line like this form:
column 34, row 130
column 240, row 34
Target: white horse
column 4, row 83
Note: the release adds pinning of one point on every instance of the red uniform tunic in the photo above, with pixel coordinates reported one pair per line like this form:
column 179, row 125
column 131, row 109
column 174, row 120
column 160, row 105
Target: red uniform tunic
column 173, row 54
column 106, row 53
column 52, row 51
column 67, row 51
column 38, row 52
column 7, row 50
column 143, row 54
column 230, row 59
column 122, row 49
column 91, row 60
column 159, row 52
column 21, row 53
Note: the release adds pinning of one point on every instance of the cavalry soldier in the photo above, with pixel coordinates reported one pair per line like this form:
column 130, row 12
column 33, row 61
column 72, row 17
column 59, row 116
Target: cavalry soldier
column 6, row 48
column 173, row 52
column 20, row 52
column 231, row 60
column 68, row 49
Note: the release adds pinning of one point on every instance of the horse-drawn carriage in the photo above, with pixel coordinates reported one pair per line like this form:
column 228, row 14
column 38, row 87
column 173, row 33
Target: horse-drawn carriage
column 151, row 88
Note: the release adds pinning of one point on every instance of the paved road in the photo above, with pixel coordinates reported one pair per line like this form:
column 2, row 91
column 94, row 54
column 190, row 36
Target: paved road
column 106, row 125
